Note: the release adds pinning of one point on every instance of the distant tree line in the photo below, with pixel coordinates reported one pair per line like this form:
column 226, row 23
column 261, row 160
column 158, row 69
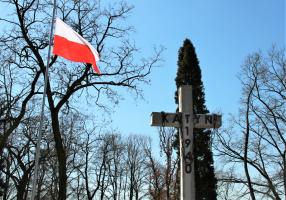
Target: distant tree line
column 99, row 165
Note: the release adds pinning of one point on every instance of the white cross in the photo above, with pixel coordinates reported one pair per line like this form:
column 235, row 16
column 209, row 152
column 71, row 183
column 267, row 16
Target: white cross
column 186, row 121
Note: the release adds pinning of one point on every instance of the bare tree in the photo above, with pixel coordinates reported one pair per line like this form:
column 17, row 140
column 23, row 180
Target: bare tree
column 167, row 138
column 136, row 170
column 25, row 45
column 156, row 174
column 113, row 168
column 256, row 139
column 18, row 159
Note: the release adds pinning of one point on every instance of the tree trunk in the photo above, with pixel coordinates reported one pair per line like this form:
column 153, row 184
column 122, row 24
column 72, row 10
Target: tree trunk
column 246, row 140
column 284, row 173
column 21, row 188
column 61, row 154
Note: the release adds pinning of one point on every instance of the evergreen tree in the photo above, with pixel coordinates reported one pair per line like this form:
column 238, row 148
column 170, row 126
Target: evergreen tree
column 189, row 73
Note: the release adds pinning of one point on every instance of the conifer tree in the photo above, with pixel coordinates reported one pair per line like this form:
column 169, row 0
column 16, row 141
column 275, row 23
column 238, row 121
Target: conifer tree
column 189, row 73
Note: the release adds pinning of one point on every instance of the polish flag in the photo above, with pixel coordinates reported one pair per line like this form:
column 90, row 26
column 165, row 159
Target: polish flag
column 70, row 45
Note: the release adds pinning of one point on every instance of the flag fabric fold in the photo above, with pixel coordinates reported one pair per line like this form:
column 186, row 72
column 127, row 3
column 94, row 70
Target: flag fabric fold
column 70, row 45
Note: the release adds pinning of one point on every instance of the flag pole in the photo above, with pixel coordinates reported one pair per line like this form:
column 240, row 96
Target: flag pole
column 35, row 179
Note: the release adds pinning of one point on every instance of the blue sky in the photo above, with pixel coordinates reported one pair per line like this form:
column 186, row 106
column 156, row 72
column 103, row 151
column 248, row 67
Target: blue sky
column 223, row 32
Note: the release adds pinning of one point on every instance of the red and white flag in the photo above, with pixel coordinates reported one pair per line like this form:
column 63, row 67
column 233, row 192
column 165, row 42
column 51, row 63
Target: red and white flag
column 70, row 45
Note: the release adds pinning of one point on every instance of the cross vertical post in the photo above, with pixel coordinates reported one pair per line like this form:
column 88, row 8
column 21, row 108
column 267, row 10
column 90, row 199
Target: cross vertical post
column 187, row 186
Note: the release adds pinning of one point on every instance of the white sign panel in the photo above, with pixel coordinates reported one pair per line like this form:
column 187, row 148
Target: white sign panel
column 174, row 120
